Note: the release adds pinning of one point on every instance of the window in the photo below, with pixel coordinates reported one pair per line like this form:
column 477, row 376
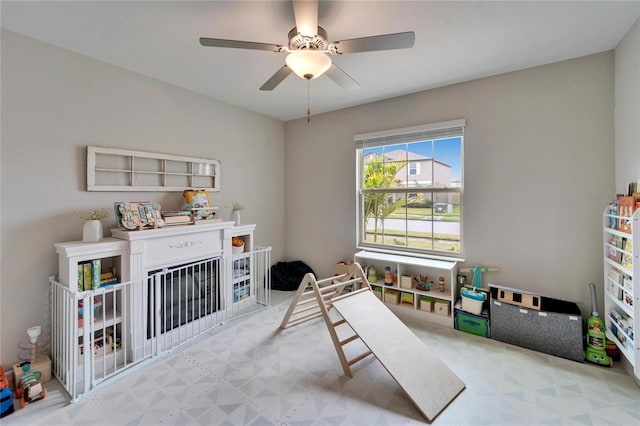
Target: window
column 410, row 188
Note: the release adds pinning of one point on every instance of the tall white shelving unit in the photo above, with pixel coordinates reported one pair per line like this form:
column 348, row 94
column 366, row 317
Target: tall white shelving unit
column 622, row 285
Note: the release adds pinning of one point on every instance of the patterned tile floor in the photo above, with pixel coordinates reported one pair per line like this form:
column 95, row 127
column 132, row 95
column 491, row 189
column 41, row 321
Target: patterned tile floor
column 250, row 373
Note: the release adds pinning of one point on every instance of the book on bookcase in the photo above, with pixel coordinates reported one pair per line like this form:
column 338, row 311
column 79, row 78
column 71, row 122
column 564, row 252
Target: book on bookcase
column 626, row 260
column 80, row 277
column 616, row 241
column 613, row 254
column 613, row 210
column 108, row 278
column 627, row 205
column 88, row 275
column 95, row 273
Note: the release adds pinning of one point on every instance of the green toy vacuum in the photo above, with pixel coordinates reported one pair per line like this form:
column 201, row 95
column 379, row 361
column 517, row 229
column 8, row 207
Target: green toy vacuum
column 596, row 335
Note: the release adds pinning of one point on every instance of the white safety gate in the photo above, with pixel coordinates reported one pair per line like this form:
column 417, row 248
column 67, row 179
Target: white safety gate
column 100, row 333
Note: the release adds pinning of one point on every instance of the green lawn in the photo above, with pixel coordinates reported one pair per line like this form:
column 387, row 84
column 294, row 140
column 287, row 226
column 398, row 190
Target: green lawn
column 422, row 240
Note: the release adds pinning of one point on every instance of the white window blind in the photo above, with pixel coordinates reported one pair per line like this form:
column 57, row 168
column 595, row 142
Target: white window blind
column 445, row 129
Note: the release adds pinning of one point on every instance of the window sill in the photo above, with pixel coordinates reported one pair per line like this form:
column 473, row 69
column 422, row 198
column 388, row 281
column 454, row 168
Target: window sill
column 412, row 254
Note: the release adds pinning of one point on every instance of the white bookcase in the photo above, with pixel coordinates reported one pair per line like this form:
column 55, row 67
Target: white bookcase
column 242, row 288
column 98, row 314
column 408, row 301
column 622, row 286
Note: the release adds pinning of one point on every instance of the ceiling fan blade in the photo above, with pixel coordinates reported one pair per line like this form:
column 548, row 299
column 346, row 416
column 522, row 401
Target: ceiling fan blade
column 220, row 42
column 380, row 42
column 277, row 78
column 306, row 15
column 341, row 78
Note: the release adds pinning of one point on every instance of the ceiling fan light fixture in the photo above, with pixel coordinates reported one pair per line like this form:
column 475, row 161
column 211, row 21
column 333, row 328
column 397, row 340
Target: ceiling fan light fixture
column 308, row 64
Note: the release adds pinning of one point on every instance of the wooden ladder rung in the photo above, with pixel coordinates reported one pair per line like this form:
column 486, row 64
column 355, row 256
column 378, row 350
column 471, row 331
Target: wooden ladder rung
column 302, row 301
column 308, row 308
column 306, row 317
column 351, row 293
column 339, row 284
column 349, row 339
column 339, row 322
column 359, row 357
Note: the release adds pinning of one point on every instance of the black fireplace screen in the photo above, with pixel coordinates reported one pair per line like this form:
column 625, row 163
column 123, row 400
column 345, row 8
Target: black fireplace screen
column 182, row 294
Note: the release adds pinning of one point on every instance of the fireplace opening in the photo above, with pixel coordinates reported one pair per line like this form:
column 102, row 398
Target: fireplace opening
column 182, row 294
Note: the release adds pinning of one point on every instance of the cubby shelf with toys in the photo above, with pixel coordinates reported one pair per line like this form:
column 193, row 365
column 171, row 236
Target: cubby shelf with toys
column 420, row 287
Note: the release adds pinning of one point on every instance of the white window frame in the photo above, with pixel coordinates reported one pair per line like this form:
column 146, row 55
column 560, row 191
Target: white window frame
column 416, row 168
column 433, row 131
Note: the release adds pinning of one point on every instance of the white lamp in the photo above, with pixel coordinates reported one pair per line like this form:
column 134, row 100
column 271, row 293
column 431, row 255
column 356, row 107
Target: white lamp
column 308, row 64
column 33, row 333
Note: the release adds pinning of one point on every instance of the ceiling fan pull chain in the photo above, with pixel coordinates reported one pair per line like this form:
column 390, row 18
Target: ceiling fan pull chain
column 308, row 103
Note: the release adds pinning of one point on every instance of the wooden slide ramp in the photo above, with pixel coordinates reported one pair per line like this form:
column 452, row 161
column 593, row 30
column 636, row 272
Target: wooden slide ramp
column 428, row 382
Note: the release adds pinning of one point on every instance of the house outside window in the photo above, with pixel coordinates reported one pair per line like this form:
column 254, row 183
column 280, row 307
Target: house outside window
column 410, row 189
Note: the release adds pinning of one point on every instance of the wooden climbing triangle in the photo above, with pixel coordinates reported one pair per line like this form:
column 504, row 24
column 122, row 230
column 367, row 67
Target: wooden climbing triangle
column 315, row 298
column 428, row 382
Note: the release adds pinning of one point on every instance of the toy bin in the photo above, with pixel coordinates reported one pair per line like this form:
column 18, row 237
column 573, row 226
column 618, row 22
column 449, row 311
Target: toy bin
column 472, row 324
column 472, row 300
column 426, row 304
column 441, row 307
column 392, row 297
column 406, row 298
column 406, row 281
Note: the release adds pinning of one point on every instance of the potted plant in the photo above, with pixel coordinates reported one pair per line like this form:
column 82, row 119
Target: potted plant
column 236, row 208
column 92, row 231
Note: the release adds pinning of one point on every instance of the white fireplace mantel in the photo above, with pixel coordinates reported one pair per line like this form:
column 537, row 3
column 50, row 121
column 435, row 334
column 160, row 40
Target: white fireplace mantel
column 173, row 245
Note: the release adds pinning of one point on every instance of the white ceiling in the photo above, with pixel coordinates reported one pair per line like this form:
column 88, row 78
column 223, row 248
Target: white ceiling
column 455, row 42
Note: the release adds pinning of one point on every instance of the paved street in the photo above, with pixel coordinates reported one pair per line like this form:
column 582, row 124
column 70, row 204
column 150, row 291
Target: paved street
column 438, row 227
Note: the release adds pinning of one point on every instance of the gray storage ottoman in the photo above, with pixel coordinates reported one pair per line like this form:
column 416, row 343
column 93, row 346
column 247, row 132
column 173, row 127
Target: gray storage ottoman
column 555, row 329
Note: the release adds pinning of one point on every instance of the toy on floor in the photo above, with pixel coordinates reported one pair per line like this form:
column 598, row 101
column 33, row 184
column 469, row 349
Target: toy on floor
column 28, row 381
column 596, row 337
column 31, row 388
column 6, row 396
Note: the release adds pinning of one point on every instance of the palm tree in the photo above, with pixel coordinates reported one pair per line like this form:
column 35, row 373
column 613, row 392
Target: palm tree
column 380, row 175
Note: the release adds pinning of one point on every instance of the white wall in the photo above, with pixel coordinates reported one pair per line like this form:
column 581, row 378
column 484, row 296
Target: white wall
column 539, row 156
column 54, row 104
column 627, row 109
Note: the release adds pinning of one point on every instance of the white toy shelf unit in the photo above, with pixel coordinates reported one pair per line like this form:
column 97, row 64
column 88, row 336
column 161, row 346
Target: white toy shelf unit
column 403, row 295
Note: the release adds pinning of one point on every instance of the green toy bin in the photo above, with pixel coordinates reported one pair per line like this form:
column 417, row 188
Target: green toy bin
column 473, row 324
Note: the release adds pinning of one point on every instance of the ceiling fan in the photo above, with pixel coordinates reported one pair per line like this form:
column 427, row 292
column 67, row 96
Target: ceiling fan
column 308, row 48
